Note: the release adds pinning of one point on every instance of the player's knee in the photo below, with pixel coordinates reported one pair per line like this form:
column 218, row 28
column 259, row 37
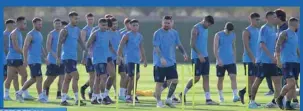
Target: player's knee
column 197, row 79
column 174, row 81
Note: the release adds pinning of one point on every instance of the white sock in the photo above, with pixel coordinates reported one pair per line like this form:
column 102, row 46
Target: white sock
column 76, row 96
column 106, row 92
column 6, row 93
column 63, row 97
column 207, row 95
column 98, row 96
column 185, row 91
column 25, row 92
column 102, row 95
column 20, row 92
column 127, row 96
column 44, row 92
column 221, row 94
column 252, row 101
column 235, row 92
column 41, row 95
column 122, row 92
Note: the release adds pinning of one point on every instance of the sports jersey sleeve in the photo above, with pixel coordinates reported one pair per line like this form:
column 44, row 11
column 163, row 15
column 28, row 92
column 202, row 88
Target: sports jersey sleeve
column 262, row 34
column 156, row 39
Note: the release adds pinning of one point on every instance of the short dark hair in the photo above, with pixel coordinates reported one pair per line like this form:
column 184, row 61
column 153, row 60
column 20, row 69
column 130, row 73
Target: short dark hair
column 126, row 20
column 102, row 20
column 108, row 16
column 281, row 14
column 10, row 21
column 134, row 21
column 254, row 15
column 270, row 13
column 229, row 26
column 56, row 20
column 293, row 19
column 64, row 23
column 72, row 13
column 109, row 22
column 89, row 15
column 209, row 19
column 113, row 19
column 21, row 18
column 36, row 19
column 167, row 17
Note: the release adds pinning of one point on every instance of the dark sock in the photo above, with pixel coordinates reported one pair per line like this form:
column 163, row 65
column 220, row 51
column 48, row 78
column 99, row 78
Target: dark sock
column 244, row 89
column 295, row 100
column 249, row 97
column 273, row 101
column 172, row 89
column 58, row 93
column 47, row 91
column 85, row 86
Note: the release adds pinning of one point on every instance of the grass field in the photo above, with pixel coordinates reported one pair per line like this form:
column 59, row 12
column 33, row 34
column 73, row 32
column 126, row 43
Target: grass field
column 148, row 103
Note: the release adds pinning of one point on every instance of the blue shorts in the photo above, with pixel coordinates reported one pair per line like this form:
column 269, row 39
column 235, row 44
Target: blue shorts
column 100, row 68
column 14, row 62
column 162, row 74
column 121, row 67
column 109, row 59
column 70, row 66
column 89, row 65
column 35, row 70
column 54, row 70
column 230, row 68
column 131, row 69
column 267, row 70
column 290, row 70
column 252, row 69
column 5, row 70
column 201, row 68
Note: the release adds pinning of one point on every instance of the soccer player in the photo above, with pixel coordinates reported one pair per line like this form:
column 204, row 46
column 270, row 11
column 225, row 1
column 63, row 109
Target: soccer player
column 287, row 55
column 100, row 55
column 199, row 56
column 250, row 42
column 14, row 58
column 85, row 33
column 225, row 53
column 266, row 61
column 165, row 41
column 10, row 26
column 133, row 43
column 69, row 37
column 32, row 51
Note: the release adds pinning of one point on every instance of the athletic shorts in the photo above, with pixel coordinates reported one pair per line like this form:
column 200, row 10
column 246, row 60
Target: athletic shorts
column 14, row 62
column 267, row 70
column 252, row 69
column 230, row 68
column 121, row 67
column 109, row 59
column 131, row 69
column 89, row 65
column 100, row 68
column 162, row 74
column 201, row 69
column 54, row 70
column 290, row 70
column 5, row 70
column 70, row 66
column 35, row 70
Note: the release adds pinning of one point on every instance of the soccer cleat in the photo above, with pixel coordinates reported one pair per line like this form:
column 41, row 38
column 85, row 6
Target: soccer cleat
column 137, row 100
column 122, row 98
column 106, row 101
column 211, row 102
column 279, row 102
column 169, row 103
column 160, row 105
column 242, row 94
column 236, row 98
column 180, row 96
column 65, row 103
column 269, row 93
column 176, row 100
column 82, row 91
column 271, row 105
column 7, row 98
column 109, row 99
column 221, row 100
column 42, row 100
column 81, row 103
column 129, row 100
column 95, row 102
column 28, row 97
column 295, row 105
column 19, row 98
column 288, row 107
column 252, row 105
column 58, row 97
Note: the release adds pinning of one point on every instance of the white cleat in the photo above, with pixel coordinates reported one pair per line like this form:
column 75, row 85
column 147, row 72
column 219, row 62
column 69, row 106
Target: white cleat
column 19, row 98
column 160, row 105
column 42, row 100
column 169, row 103
column 7, row 98
column 28, row 97
column 271, row 105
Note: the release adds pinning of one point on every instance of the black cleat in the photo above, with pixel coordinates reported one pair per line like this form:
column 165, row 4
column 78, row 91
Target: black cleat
column 83, row 93
column 279, row 102
column 242, row 94
column 65, row 103
column 109, row 99
column 95, row 102
column 81, row 103
column 106, row 101
column 288, row 107
column 180, row 96
column 137, row 100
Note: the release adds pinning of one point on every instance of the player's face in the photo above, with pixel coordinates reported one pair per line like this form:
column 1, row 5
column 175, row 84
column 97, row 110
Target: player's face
column 74, row 20
column 90, row 20
column 272, row 19
column 58, row 25
column 135, row 27
column 128, row 25
column 255, row 21
column 114, row 25
column 38, row 25
column 207, row 24
column 103, row 26
column 294, row 24
column 167, row 24
column 22, row 24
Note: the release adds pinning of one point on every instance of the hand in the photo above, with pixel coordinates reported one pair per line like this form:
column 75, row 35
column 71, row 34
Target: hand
column 58, row 62
column 253, row 60
column 185, row 57
column 25, row 63
column 163, row 61
column 201, row 58
column 145, row 63
column 46, row 61
column 220, row 63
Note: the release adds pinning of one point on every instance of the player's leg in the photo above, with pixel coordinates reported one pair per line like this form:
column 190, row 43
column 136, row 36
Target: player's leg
column 205, row 75
column 172, row 81
column 90, row 70
column 232, row 72
column 110, row 80
column 137, row 80
column 75, row 78
column 61, row 72
column 277, row 82
column 103, row 78
column 51, row 73
column 11, row 74
column 159, row 76
column 16, row 82
column 96, row 96
column 69, row 68
column 130, row 87
column 270, row 87
column 296, row 75
column 261, row 70
column 220, row 74
column 39, row 79
column 4, row 72
column 23, row 72
column 123, row 83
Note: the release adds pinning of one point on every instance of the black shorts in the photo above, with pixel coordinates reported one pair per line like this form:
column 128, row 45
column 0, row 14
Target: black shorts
column 5, row 70
column 131, row 69
column 89, row 65
column 290, row 70
column 267, row 70
column 70, row 66
column 100, row 68
column 54, row 70
column 121, row 67
column 252, row 69
column 162, row 74
column 201, row 69
column 14, row 62
column 231, row 69
column 35, row 70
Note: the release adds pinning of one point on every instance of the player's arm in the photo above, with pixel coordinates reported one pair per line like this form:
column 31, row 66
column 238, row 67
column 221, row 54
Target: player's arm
column 89, row 42
column 281, row 39
column 49, row 42
column 245, row 38
column 194, row 34
column 82, row 44
column 83, row 38
column 121, row 45
column 5, row 44
column 44, row 54
column 156, row 44
column 142, row 51
column 15, row 43
column 298, row 52
column 216, row 46
column 62, row 38
column 235, row 49
column 111, row 48
column 28, row 40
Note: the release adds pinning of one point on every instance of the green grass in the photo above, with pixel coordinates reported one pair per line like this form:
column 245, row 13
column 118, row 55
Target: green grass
column 148, row 103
